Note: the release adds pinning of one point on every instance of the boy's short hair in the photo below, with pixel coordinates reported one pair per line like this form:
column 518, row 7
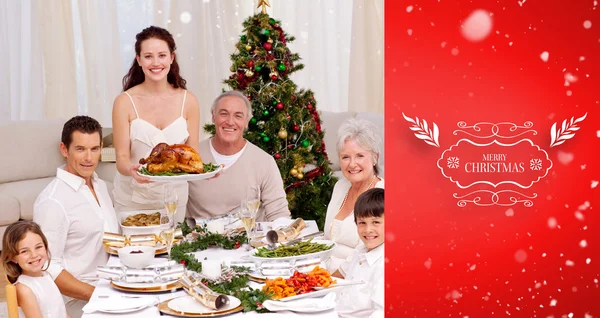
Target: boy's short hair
column 369, row 204
column 82, row 124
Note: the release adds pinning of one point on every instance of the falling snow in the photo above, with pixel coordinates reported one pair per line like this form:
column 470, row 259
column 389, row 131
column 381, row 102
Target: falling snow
column 594, row 184
column 544, row 56
column 454, row 51
column 409, row 31
column 552, row 223
column 583, row 243
column 521, row 256
column 569, row 263
column 509, row 212
column 428, row 263
column 565, row 158
column 409, row 9
column 587, row 24
column 185, row 17
column 588, row 261
column 477, row 26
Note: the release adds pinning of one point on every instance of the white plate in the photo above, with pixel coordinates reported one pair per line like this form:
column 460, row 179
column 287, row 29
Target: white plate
column 142, row 285
column 188, row 304
column 121, row 311
column 323, row 255
column 183, row 177
column 317, row 293
column 330, row 306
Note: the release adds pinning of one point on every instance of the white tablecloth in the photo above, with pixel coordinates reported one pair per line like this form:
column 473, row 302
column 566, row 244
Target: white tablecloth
column 103, row 287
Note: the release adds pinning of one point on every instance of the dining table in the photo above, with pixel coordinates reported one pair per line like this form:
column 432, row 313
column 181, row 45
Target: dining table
column 103, row 287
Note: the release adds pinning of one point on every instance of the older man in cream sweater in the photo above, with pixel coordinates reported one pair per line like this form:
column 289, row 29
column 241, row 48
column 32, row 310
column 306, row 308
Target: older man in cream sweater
column 245, row 165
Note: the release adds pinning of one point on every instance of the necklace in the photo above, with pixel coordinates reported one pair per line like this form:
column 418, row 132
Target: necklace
column 346, row 198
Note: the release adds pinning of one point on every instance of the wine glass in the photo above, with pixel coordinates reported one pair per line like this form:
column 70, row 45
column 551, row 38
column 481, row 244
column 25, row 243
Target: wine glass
column 168, row 233
column 171, row 199
column 249, row 209
column 253, row 199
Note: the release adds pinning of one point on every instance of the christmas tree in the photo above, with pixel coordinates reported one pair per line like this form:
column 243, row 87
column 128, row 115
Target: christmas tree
column 285, row 121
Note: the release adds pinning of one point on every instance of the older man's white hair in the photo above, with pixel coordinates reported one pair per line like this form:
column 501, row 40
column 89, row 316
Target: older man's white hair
column 364, row 133
column 233, row 93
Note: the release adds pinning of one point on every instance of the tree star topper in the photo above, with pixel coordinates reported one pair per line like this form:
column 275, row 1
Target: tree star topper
column 264, row 4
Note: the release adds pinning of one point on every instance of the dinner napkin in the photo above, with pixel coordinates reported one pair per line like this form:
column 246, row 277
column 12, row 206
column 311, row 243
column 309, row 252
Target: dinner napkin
column 301, row 304
column 118, row 302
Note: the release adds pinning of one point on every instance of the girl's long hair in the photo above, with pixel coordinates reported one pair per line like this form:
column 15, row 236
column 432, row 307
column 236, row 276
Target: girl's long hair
column 136, row 76
column 13, row 235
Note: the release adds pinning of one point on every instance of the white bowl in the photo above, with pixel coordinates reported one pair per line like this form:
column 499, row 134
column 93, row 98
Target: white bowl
column 136, row 260
column 140, row 230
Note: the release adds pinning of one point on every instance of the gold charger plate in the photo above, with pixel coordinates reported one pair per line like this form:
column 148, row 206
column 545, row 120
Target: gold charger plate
column 170, row 287
column 163, row 307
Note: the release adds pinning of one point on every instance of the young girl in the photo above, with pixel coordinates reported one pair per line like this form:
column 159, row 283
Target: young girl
column 25, row 258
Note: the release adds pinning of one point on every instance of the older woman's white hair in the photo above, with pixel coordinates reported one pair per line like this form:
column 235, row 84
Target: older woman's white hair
column 233, row 93
column 364, row 133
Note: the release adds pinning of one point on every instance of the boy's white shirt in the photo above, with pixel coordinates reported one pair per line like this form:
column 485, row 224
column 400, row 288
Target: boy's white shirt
column 366, row 300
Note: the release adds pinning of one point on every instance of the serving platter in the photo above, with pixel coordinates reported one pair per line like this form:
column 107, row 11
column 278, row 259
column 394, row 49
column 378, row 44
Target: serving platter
column 182, row 177
column 323, row 255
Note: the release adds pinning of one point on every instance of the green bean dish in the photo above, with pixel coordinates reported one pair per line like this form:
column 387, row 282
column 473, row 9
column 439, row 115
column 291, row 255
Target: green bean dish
column 300, row 248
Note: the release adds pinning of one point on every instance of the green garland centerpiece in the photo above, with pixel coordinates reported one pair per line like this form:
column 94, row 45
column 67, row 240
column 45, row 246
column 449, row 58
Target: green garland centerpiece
column 234, row 279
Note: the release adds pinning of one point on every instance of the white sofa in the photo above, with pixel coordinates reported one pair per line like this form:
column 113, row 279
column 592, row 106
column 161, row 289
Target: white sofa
column 31, row 156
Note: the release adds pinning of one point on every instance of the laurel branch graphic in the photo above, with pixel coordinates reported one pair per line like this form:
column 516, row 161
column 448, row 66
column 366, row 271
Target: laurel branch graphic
column 430, row 135
column 566, row 132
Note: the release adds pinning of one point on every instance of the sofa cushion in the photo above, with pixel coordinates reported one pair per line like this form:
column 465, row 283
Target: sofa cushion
column 25, row 192
column 10, row 210
column 331, row 123
column 36, row 143
column 377, row 119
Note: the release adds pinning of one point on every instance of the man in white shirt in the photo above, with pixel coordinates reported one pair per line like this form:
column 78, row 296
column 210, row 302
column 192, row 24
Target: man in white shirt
column 366, row 263
column 74, row 211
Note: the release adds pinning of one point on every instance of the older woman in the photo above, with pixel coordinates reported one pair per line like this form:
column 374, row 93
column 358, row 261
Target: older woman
column 357, row 150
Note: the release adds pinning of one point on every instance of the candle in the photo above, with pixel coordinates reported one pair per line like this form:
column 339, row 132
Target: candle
column 211, row 268
column 216, row 226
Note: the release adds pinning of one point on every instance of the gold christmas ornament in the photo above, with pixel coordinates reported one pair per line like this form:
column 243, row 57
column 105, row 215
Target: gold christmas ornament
column 270, row 40
column 248, row 47
column 294, row 172
column 232, row 68
column 249, row 73
column 301, row 169
column 300, row 176
column 282, row 133
column 264, row 4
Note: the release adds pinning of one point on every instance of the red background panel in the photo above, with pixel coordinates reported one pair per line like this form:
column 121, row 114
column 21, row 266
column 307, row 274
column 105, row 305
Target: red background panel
column 449, row 261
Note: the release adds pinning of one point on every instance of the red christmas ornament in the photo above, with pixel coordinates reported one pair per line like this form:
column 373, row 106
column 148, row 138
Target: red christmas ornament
column 274, row 77
column 237, row 245
column 296, row 128
column 277, row 156
column 249, row 97
column 279, row 106
column 293, row 97
column 267, row 46
column 250, row 64
column 290, row 146
column 288, row 117
column 309, row 106
column 183, row 262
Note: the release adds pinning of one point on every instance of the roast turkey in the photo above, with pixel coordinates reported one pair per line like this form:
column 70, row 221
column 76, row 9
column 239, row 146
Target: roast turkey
column 173, row 158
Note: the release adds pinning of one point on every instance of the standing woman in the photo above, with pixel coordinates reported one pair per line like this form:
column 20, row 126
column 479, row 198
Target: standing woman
column 155, row 107
column 357, row 146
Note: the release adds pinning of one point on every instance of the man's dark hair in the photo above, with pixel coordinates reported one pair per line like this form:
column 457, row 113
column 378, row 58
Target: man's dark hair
column 82, row 124
column 369, row 204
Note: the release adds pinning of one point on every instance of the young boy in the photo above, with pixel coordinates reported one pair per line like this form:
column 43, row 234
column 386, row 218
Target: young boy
column 367, row 262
